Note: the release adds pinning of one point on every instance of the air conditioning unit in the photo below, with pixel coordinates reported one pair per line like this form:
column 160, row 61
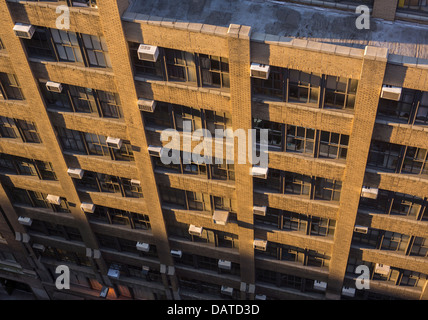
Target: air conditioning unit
column 320, row 285
column 176, row 253
column 391, row 92
column 260, row 297
column 135, row 183
column 146, row 105
column 382, row 269
column 54, row 86
column 227, row 290
column 148, row 53
column 39, row 246
column 259, row 172
column 113, row 273
column 25, row 221
column 87, row 207
column 195, row 231
column 141, row 246
column 53, row 199
column 114, row 143
column 361, row 229
column 221, row 217
column 75, row 173
column 155, row 151
column 23, row 237
column 371, row 193
column 259, row 244
column 23, row 30
column 349, row 292
column 260, row 71
column 224, row 264
column 260, row 211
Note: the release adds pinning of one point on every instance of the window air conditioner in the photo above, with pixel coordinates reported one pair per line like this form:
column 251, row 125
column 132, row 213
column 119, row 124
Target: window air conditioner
column 260, row 297
column 224, row 264
column 53, row 199
column 54, row 86
column 259, row 172
column 146, row 105
column 75, row 173
column 155, row 151
column 382, row 269
column 391, row 93
column 113, row 273
column 176, row 253
column 259, row 244
column 148, row 53
column 39, row 246
column 220, row 217
column 320, row 285
column 349, row 292
column 227, row 290
column 371, row 193
column 361, row 229
column 260, row 71
column 141, row 246
column 23, row 30
column 25, row 221
column 114, row 143
column 87, row 207
column 195, row 231
column 135, row 183
column 260, row 211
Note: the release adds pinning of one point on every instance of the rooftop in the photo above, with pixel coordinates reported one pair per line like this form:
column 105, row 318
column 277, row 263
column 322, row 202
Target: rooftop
column 294, row 21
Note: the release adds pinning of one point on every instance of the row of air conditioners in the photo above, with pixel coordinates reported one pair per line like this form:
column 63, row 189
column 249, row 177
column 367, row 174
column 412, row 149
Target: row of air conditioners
column 85, row 206
column 151, row 53
column 322, row 286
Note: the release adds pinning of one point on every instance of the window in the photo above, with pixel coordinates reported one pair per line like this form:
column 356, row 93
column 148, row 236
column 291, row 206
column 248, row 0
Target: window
column 9, row 87
column 304, row 87
column 422, row 110
column 223, row 171
column 340, row 92
column 394, row 241
column 93, row 144
column 295, row 221
column 110, row 104
column 198, row 201
column 398, row 110
column 419, row 247
column 214, row 71
column 322, row 226
column 191, row 115
column 273, row 87
column 180, row 66
column 67, row 45
column 406, row 205
column 297, row 183
column 333, row 145
column 142, row 67
column 71, row 140
column 415, row 161
column 217, row 120
column 83, row 99
column 96, row 50
column 39, row 46
column 327, row 189
column 274, row 132
column 28, row 131
column 15, row 128
column 384, row 155
column 24, row 166
column 300, row 139
column 8, row 128
column 86, row 100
